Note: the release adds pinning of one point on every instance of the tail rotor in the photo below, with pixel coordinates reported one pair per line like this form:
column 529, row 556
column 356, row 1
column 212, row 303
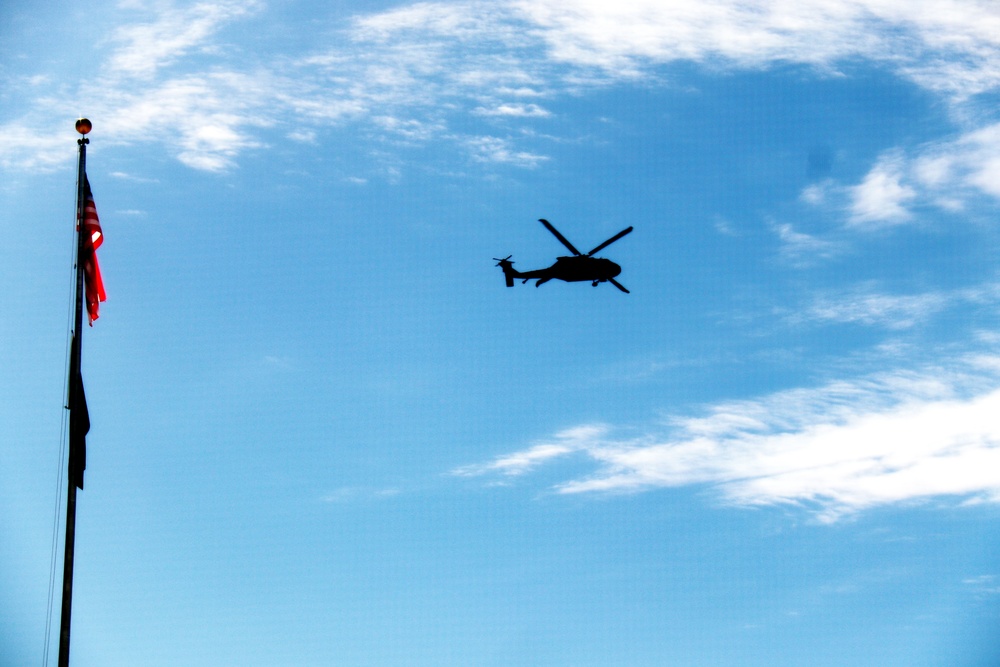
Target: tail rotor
column 508, row 269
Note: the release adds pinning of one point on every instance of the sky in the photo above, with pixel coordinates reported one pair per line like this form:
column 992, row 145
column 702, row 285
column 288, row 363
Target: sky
column 324, row 431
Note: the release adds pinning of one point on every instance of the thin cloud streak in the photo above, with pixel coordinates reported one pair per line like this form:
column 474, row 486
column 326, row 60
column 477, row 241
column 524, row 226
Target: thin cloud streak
column 835, row 450
column 515, row 110
column 564, row 442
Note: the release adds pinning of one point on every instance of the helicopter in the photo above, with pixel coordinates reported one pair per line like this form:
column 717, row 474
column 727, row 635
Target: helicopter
column 575, row 268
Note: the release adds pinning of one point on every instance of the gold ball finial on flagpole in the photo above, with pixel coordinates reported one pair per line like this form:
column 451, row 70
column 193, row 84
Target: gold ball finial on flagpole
column 83, row 126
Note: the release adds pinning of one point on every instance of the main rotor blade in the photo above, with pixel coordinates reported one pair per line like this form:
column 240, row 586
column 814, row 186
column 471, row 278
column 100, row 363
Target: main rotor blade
column 610, row 241
column 618, row 285
column 562, row 239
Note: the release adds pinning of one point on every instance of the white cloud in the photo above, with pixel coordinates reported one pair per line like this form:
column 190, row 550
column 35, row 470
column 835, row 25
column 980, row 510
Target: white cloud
column 970, row 162
column 815, row 194
column 146, row 47
column 462, row 21
column 521, row 462
column 431, row 61
column 881, row 196
column 409, row 129
column 950, row 46
column 626, row 36
column 515, row 110
column 836, row 449
column 205, row 118
column 131, row 177
column 495, row 149
column 346, row 494
column 864, row 305
column 302, row 136
column 983, row 585
column 801, row 248
column 946, row 174
column 29, row 150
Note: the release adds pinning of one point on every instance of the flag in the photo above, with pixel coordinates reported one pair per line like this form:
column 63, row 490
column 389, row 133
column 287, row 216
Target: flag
column 79, row 422
column 93, row 239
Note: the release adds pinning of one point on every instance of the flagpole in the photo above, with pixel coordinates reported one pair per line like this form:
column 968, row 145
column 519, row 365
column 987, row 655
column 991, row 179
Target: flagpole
column 83, row 126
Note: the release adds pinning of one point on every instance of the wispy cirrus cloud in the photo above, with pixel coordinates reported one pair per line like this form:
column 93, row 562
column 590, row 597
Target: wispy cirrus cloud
column 950, row 47
column 868, row 306
column 836, row 449
column 211, row 117
column 145, row 47
column 983, row 585
column 433, row 62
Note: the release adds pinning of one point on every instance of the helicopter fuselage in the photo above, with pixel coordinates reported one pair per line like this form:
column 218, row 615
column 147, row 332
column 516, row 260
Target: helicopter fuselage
column 575, row 268
column 578, row 268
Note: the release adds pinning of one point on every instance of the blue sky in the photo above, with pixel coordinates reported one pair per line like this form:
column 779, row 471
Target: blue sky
column 325, row 432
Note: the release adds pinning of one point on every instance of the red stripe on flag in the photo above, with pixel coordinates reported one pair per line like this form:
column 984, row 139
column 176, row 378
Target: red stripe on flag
column 94, row 286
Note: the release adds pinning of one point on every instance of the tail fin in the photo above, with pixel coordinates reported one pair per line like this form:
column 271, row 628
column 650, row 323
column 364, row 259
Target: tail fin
column 509, row 273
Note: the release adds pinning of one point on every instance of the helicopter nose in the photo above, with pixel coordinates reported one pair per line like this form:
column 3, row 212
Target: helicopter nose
column 614, row 269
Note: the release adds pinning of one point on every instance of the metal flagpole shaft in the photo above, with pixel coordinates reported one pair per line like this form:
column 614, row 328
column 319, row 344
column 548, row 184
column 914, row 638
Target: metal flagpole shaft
column 83, row 126
column 67, row 597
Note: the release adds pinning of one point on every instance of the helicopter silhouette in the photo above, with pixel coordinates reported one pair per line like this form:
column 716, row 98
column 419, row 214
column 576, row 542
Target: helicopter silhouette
column 575, row 268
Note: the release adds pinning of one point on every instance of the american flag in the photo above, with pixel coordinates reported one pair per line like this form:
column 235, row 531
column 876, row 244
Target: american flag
column 94, row 237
